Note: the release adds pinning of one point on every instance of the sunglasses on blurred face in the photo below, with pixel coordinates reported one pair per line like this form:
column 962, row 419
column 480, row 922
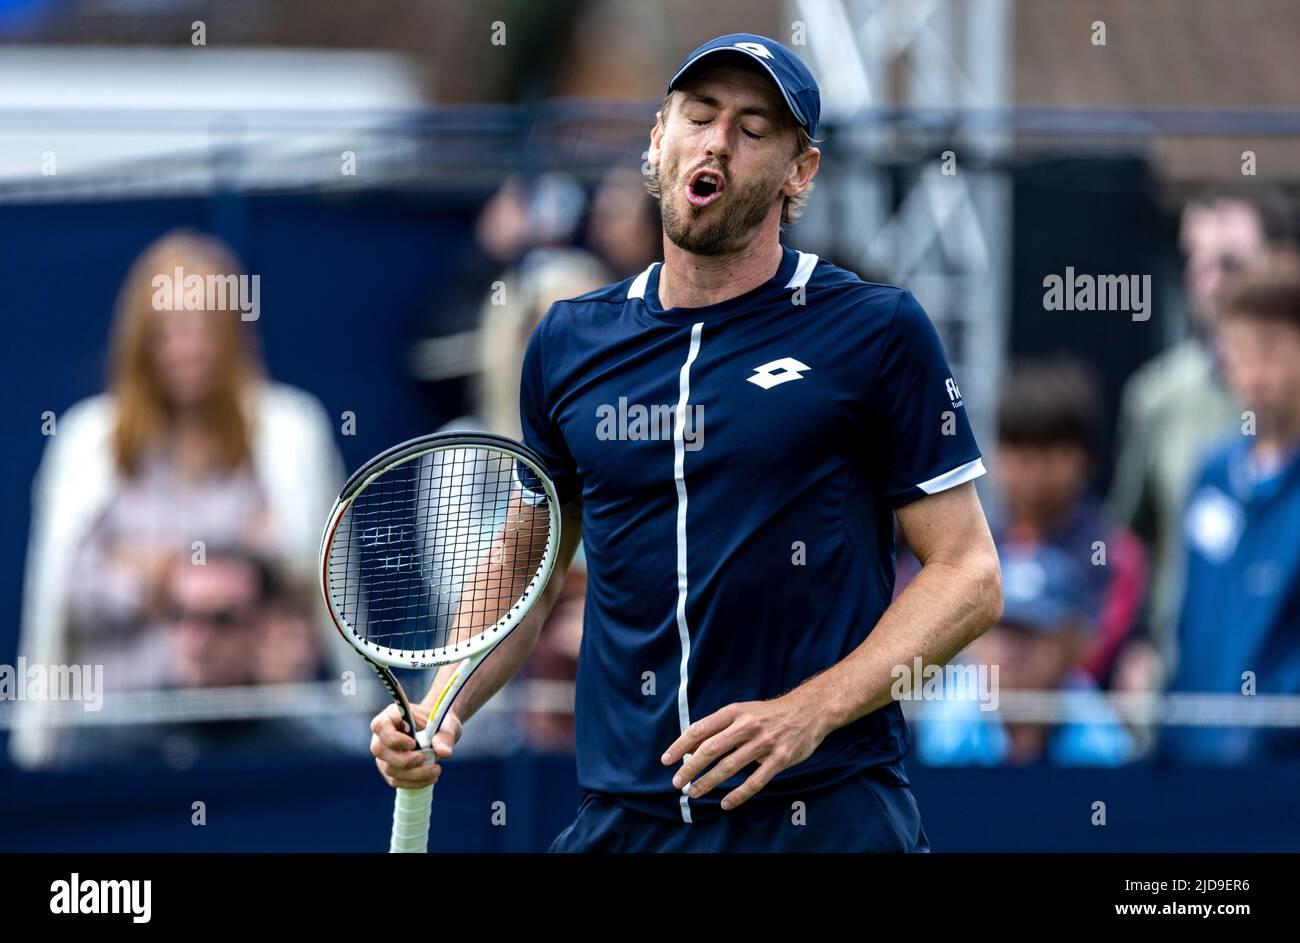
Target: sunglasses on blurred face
column 222, row 618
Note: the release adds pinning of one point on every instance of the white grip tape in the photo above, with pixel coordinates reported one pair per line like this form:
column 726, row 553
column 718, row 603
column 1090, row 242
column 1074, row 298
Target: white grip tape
column 411, row 810
column 411, row 821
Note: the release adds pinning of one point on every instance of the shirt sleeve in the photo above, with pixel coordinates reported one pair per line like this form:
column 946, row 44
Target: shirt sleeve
column 928, row 443
column 541, row 432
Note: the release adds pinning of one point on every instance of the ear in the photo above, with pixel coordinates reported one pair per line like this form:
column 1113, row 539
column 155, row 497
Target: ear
column 802, row 171
column 656, row 140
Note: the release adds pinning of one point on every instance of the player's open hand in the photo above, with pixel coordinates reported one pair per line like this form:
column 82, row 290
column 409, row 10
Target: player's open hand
column 400, row 760
column 775, row 734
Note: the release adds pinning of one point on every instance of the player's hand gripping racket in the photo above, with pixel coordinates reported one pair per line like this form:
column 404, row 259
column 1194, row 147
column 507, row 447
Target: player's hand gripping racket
column 435, row 550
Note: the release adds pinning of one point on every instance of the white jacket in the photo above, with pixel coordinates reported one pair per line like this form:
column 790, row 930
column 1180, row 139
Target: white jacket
column 296, row 464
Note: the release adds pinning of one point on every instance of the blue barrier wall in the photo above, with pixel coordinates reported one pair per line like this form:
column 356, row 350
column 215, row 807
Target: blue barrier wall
column 342, row 805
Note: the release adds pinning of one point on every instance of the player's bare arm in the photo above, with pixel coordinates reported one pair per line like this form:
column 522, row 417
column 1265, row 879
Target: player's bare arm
column 399, row 760
column 954, row 599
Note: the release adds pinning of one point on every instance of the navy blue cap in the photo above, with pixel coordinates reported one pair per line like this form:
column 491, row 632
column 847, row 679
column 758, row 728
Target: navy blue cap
column 1042, row 589
column 791, row 76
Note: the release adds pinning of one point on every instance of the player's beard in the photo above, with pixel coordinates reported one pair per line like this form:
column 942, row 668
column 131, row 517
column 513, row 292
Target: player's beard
column 720, row 227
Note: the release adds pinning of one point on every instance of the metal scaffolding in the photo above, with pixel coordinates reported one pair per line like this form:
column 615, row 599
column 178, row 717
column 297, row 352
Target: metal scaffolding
column 941, row 227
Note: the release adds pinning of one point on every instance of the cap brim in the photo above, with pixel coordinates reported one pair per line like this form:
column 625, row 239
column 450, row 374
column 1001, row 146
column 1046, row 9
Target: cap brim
column 734, row 50
column 1041, row 619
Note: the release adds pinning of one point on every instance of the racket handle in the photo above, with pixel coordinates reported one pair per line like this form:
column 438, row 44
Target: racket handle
column 411, row 807
column 411, row 821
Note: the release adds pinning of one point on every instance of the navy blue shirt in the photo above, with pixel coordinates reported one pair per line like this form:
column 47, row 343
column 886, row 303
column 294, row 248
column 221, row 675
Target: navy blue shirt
column 736, row 553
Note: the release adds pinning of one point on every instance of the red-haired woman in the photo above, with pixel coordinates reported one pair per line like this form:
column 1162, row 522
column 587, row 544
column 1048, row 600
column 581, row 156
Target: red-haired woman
column 191, row 447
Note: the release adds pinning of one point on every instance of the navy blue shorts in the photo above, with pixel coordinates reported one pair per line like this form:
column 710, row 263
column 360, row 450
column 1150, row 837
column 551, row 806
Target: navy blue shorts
column 860, row 814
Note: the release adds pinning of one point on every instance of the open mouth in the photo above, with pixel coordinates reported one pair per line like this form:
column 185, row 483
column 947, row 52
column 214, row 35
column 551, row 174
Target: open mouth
column 705, row 186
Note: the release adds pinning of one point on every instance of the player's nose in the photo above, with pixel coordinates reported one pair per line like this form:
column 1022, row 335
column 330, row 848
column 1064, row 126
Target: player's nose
column 718, row 143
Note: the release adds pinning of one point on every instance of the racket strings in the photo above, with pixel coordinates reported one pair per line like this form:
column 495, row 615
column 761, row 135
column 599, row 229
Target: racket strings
column 438, row 549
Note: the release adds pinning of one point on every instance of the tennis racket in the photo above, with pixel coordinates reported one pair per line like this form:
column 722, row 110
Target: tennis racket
column 434, row 552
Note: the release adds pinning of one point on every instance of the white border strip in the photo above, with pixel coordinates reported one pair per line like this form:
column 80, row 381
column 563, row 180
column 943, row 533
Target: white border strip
column 958, row 476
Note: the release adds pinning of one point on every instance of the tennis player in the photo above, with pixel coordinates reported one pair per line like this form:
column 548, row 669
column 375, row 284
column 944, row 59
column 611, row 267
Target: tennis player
column 732, row 433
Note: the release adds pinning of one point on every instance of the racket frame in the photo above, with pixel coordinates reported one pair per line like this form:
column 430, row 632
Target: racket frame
column 411, row 810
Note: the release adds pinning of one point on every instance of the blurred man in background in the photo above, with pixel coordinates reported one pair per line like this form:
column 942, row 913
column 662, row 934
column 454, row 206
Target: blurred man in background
column 623, row 228
column 1239, row 621
column 1048, row 429
column 1048, row 425
column 210, row 616
column 1037, row 645
column 1177, row 404
column 234, row 620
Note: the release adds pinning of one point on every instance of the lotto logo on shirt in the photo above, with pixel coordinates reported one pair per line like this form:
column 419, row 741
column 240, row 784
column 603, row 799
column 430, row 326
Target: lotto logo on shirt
column 636, row 422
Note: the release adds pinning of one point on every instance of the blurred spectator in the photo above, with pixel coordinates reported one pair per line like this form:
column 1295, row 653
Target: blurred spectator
column 210, row 613
column 233, row 620
column 1036, row 646
column 624, row 228
column 1048, row 427
column 503, row 231
column 192, row 447
column 1048, row 424
column 523, row 214
column 1239, row 621
column 542, row 278
column 1177, row 404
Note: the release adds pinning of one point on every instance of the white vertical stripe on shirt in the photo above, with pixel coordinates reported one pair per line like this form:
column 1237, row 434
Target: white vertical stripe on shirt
column 679, row 475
